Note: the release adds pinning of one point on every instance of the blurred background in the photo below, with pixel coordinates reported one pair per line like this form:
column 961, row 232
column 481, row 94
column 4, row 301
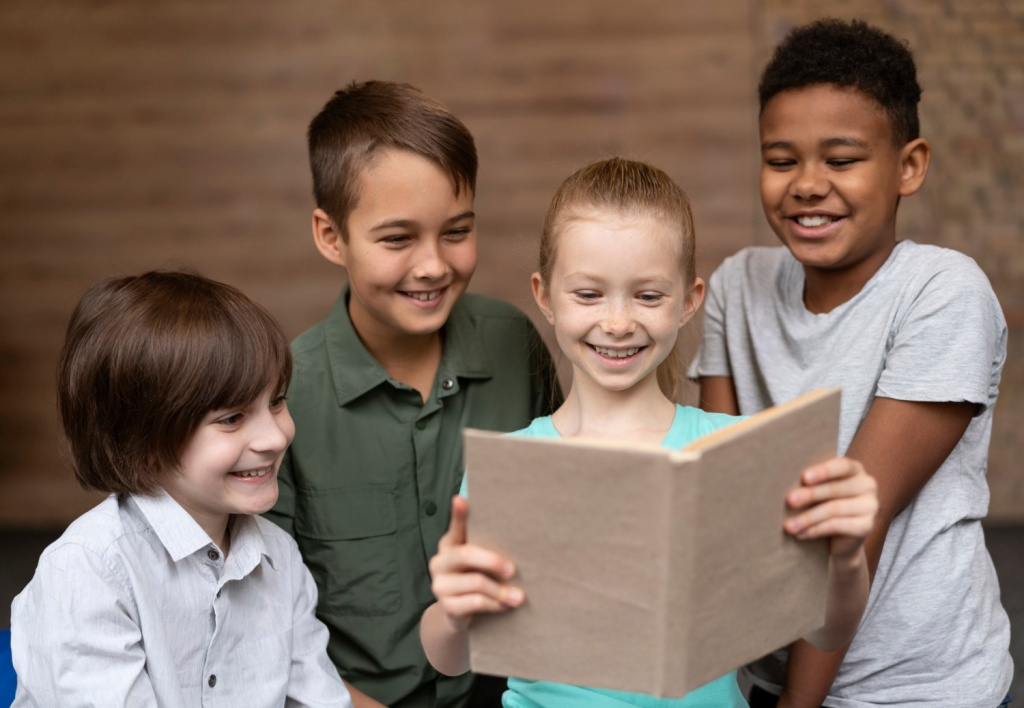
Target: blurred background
column 172, row 132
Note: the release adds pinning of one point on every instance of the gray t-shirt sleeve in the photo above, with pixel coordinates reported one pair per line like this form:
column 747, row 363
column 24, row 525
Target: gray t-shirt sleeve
column 712, row 358
column 950, row 343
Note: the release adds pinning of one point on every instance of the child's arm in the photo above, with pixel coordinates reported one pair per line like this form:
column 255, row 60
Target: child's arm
column 837, row 500
column 718, row 395
column 466, row 580
column 74, row 638
column 903, row 443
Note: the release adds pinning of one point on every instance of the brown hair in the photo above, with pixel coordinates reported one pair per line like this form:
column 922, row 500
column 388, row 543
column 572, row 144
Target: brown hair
column 627, row 187
column 365, row 118
column 145, row 359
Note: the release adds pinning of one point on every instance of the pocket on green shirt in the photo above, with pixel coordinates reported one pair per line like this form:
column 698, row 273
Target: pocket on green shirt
column 347, row 538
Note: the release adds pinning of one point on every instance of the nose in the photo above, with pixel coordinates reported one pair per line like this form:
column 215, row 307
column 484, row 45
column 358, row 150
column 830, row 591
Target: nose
column 274, row 432
column 618, row 320
column 810, row 182
column 430, row 260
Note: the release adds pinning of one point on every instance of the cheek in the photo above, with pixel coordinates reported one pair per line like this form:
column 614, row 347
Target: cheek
column 462, row 257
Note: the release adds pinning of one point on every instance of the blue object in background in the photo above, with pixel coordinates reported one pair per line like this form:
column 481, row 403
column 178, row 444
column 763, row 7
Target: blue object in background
column 8, row 681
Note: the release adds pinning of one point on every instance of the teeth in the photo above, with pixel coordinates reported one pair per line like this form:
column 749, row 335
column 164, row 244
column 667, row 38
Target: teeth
column 424, row 296
column 812, row 221
column 254, row 473
column 616, row 353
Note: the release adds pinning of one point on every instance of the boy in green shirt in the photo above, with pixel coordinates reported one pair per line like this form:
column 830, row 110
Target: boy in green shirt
column 383, row 387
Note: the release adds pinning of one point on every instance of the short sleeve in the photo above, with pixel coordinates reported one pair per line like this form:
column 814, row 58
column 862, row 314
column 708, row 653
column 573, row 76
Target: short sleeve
column 712, row 358
column 75, row 639
column 950, row 344
column 314, row 681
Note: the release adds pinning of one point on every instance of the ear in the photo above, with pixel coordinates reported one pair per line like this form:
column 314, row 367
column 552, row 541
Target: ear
column 693, row 301
column 915, row 157
column 328, row 238
column 540, row 294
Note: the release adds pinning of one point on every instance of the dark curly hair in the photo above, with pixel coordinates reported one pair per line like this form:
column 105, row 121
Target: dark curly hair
column 849, row 55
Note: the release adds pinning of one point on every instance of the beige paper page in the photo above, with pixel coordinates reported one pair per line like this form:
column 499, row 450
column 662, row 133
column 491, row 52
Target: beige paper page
column 647, row 570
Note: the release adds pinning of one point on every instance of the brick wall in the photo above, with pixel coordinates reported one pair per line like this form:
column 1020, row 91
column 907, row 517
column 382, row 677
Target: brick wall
column 135, row 136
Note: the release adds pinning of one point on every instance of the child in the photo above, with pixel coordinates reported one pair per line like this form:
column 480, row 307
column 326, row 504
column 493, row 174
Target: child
column 617, row 282
column 916, row 338
column 171, row 591
column 384, row 385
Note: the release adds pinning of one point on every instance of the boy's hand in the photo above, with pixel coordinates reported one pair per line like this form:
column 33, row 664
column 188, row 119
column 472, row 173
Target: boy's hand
column 467, row 579
column 837, row 499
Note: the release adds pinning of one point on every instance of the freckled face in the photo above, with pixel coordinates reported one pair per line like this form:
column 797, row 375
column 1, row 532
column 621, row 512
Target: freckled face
column 616, row 297
column 830, row 177
column 411, row 247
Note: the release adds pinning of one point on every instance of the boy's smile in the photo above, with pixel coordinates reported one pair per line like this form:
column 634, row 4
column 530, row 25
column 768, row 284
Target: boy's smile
column 229, row 465
column 411, row 248
column 831, row 179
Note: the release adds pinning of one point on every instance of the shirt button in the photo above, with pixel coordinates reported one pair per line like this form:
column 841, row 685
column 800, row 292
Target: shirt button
column 213, row 555
column 447, row 384
column 421, row 424
column 212, row 681
column 430, row 508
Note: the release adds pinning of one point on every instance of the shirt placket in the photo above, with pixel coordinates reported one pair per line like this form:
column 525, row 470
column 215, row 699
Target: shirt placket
column 212, row 563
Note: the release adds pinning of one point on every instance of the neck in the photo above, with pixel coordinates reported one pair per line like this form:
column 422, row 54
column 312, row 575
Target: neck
column 825, row 290
column 412, row 359
column 641, row 413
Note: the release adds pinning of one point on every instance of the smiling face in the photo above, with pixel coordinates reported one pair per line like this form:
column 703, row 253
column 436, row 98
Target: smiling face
column 410, row 248
column 229, row 465
column 616, row 296
column 831, row 178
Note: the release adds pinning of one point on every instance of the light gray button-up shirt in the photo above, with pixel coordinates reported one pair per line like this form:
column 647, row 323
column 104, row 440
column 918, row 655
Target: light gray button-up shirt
column 134, row 605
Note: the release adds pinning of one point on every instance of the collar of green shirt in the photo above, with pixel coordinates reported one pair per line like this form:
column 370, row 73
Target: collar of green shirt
column 355, row 371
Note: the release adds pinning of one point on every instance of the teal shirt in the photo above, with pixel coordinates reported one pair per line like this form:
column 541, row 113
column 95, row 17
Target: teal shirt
column 366, row 486
column 688, row 425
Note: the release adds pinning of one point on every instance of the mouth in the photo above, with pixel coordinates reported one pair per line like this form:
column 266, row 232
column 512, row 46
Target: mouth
column 815, row 221
column 427, row 297
column 257, row 473
column 611, row 353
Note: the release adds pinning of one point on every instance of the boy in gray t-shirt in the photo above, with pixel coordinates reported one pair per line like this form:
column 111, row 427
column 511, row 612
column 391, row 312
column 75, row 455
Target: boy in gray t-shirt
column 915, row 337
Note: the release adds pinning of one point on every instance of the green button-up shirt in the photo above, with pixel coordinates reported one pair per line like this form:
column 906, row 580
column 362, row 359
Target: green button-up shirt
column 366, row 486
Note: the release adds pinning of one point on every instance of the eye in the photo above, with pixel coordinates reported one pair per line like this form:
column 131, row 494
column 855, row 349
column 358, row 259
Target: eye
column 395, row 239
column 458, row 234
column 841, row 162
column 586, row 295
column 780, row 164
column 650, row 297
column 231, row 419
column 278, row 402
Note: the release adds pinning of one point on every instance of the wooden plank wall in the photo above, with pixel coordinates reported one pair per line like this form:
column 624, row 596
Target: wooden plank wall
column 140, row 135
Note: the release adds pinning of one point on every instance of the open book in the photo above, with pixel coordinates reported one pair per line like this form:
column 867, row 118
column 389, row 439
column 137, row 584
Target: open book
column 647, row 569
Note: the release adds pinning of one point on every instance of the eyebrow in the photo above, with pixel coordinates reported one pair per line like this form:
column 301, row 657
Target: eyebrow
column 830, row 142
column 409, row 223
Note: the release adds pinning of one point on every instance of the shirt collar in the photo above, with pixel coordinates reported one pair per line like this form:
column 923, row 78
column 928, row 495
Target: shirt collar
column 355, row 371
column 181, row 535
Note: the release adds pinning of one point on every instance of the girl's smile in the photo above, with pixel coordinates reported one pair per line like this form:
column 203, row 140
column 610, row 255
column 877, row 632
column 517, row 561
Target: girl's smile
column 617, row 297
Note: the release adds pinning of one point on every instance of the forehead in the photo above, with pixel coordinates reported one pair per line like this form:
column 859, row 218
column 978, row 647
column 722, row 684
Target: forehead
column 605, row 242
column 823, row 113
column 399, row 180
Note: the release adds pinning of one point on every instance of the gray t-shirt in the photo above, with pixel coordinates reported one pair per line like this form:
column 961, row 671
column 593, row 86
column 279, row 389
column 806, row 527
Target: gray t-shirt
column 926, row 327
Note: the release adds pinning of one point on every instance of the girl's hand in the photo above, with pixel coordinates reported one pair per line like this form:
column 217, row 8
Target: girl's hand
column 468, row 579
column 837, row 500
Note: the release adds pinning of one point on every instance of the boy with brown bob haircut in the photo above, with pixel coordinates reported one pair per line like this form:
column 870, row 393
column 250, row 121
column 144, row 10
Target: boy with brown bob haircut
column 914, row 335
column 384, row 386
